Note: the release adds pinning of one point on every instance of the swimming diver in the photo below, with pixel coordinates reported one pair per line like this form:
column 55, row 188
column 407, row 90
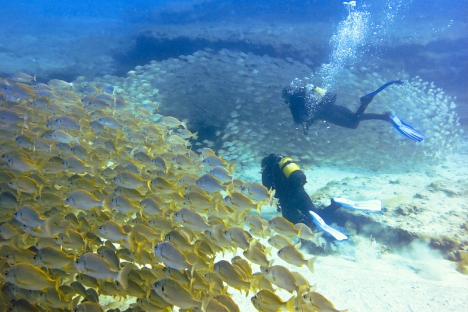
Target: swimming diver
column 311, row 103
column 284, row 175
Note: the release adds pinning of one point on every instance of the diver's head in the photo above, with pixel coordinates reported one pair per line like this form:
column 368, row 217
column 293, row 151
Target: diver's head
column 293, row 95
column 270, row 160
column 287, row 92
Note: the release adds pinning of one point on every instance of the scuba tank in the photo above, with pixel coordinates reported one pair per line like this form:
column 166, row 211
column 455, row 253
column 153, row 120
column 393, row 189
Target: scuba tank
column 292, row 172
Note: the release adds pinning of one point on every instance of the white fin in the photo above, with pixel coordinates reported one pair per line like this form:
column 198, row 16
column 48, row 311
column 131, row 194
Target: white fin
column 326, row 228
column 371, row 205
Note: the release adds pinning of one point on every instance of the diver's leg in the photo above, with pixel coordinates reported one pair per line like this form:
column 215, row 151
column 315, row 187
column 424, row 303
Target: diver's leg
column 366, row 99
column 295, row 207
column 340, row 116
column 343, row 117
column 384, row 117
column 328, row 213
column 345, row 120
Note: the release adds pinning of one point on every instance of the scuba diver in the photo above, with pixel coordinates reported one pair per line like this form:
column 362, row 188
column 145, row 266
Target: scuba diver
column 283, row 175
column 311, row 103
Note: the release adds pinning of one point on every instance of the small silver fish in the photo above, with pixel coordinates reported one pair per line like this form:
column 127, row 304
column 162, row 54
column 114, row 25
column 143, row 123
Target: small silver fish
column 109, row 122
column 29, row 216
column 74, row 164
column 66, row 122
column 113, row 231
column 150, row 206
column 210, row 184
column 214, row 161
column 256, row 191
column 22, row 77
column 62, row 137
column 60, row 84
column 8, row 200
column 191, row 219
column 10, row 116
column 83, row 200
column 171, row 256
column 221, row 174
column 95, row 266
column 27, row 276
column 173, row 293
column 24, row 141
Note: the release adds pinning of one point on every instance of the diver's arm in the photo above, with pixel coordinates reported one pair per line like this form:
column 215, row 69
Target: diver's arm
column 267, row 178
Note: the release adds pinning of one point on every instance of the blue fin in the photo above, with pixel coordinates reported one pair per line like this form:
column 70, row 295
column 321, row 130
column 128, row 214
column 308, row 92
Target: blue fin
column 406, row 129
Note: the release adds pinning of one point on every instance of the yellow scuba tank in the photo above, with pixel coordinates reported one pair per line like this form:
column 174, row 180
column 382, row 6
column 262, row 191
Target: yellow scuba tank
column 294, row 175
column 288, row 166
column 320, row 92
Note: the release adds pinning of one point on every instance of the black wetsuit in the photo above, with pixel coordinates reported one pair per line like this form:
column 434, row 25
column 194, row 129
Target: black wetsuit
column 284, row 176
column 306, row 110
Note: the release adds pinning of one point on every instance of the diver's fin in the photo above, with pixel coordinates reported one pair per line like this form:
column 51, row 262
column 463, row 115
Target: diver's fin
column 326, row 228
column 371, row 205
column 406, row 129
column 366, row 99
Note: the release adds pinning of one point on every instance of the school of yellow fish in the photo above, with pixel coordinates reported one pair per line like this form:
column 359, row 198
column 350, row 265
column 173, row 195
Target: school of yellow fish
column 97, row 199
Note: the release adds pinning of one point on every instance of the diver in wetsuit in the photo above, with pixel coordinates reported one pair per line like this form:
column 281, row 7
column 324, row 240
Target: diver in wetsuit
column 284, row 176
column 311, row 103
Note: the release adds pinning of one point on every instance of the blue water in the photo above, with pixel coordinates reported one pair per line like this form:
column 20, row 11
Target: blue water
column 219, row 10
column 66, row 39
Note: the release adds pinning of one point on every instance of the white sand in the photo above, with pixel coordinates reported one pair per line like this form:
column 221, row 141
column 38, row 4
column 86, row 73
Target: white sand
column 393, row 283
